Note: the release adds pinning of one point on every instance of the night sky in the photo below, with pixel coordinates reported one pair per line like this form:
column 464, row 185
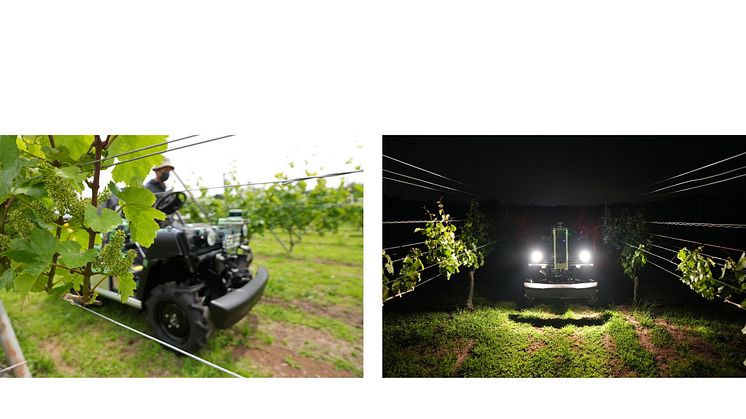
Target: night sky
column 569, row 170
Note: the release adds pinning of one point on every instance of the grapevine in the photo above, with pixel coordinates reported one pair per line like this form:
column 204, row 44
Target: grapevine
column 50, row 233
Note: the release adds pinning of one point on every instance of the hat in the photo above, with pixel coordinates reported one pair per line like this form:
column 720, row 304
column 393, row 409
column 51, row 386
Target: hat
column 165, row 163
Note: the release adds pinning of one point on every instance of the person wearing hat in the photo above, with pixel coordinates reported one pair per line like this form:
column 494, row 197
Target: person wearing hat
column 162, row 172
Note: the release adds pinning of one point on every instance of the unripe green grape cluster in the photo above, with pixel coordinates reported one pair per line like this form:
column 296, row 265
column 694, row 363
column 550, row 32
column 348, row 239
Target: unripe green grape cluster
column 104, row 195
column 111, row 259
column 20, row 224
column 4, row 242
column 64, row 197
column 43, row 213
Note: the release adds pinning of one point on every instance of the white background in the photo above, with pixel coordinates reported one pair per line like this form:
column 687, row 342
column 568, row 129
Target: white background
column 336, row 72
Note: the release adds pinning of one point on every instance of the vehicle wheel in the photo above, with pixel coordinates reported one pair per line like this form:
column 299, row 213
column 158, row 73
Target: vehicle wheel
column 530, row 301
column 178, row 316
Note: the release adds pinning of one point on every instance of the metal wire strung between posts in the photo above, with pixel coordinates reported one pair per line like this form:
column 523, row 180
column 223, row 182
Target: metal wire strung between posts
column 691, row 180
column 412, row 244
column 419, row 270
column 690, row 224
column 676, row 251
column 413, row 184
column 165, row 151
column 400, row 259
column 284, row 182
column 136, row 150
column 701, row 186
column 695, row 170
column 428, row 182
column 181, row 351
column 699, row 243
column 653, row 254
column 4, row 370
column 421, row 221
column 430, row 266
column 404, row 245
column 679, row 278
column 426, row 171
column 413, row 288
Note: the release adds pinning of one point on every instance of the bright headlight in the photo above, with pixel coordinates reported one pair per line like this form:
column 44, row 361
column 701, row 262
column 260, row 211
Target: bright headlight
column 536, row 256
column 585, row 256
column 212, row 238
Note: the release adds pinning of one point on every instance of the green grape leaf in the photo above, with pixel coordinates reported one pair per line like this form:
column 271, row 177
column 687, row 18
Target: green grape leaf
column 23, row 283
column 10, row 163
column 104, row 222
column 36, row 253
column 134, row 173
column 71, row 255
column 76, row 146
column 137, row 204
column 6, row 280
column 72, row 173
column 81, row 237
column 126, row 286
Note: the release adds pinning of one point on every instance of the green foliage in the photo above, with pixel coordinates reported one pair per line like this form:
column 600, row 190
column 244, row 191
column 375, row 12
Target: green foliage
column 135, row 172
column 696, row 270
column 104, row 221
column 474, row 235
column 634, row 259
column 112, row 262
column 49, row 229
column 291, row 208
column 441, row 243
column 443, row 249
column 137, row 204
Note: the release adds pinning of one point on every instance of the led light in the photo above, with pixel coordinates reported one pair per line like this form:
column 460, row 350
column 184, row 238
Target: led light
column 212, row 238
column 536, row 256
column 585, row 256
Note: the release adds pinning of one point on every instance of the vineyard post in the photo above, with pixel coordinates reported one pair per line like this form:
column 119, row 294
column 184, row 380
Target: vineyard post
column 10, row 345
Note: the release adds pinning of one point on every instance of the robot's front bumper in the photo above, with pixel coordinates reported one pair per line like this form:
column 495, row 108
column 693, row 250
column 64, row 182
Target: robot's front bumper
column 232, row 307
column 561, row 291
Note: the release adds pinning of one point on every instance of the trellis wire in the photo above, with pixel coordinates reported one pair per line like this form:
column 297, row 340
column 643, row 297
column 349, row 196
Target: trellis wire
column 696, row 242
column 403, row 245
column 419, row 270
column 4, row 370
column 168, row 345
column 702, row 186
column 136, row 150
column 412, row 244
column 400, row 259
column 428, row 182
column 421, row 221
column 679, row 278
column 424, row 170
column 653, row 254
column 413, row 288
column 164, row 151
column 690, row 224
column 676, row 251
column 286, row 181
column 695, row 170
column 413, row 184
column 691, row 180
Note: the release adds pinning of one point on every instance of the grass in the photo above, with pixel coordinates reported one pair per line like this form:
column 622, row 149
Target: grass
column 501, row 340
column 309, row 323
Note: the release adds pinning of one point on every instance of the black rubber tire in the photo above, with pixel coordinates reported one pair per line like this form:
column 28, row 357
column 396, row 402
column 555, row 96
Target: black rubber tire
column 194, row 327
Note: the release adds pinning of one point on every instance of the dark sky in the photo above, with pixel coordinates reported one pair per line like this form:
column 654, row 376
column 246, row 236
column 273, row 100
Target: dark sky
column 571, row 170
